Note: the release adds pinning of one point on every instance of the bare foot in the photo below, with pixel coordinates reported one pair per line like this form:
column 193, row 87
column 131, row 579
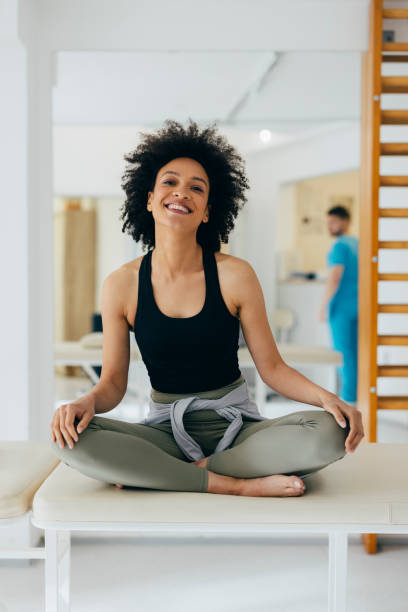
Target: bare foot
column 277, row 485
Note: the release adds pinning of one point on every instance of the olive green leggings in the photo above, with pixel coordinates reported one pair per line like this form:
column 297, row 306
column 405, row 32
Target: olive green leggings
column 147, row 456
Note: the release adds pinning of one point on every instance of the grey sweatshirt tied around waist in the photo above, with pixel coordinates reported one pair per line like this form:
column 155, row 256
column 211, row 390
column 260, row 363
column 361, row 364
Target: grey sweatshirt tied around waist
column 231, row 406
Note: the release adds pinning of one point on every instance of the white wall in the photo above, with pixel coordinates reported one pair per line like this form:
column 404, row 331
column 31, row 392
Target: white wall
column 330, row 151
column 89, row 160
column 113, row 247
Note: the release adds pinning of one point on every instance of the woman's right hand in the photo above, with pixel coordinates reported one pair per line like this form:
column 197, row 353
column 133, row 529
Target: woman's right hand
column 62, row 424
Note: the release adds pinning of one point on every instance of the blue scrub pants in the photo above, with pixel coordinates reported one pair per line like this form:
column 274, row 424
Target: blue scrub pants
column 344, row 331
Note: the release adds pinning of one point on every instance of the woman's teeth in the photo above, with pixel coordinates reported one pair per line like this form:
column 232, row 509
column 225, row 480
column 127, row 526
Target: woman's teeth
column 178, row 209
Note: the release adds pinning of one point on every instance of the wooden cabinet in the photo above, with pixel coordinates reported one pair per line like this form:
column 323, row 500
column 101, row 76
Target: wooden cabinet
column 74, row 273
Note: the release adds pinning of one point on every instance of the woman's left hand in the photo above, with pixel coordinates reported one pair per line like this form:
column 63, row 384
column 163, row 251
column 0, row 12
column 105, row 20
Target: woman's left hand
column 340, row 409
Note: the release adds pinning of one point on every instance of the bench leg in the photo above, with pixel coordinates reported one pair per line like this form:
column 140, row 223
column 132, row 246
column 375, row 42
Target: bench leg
column 337, row 571
column 57, row 570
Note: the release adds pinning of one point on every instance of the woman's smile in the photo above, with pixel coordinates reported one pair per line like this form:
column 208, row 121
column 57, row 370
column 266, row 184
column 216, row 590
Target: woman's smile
column 179, row 209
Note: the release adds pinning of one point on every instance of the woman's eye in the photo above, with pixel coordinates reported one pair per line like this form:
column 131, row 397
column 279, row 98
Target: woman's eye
column 171, row 181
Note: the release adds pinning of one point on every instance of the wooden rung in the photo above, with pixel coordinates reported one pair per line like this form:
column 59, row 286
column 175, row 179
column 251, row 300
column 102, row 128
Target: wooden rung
column 393, row 148
column 395, row 13
column 394, row 58
column 394, row 46
column 393, row 244
column 394, row 308
column 392, row 370
column 394, row 180
column 392, row 402
column 394, row 117
column 393, row 276
column 393, row 212
column 394, row 84
column 384, row 340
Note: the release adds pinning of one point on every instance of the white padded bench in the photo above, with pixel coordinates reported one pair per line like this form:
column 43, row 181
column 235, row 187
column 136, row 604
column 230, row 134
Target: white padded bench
column 24, row 465
column 365, row 492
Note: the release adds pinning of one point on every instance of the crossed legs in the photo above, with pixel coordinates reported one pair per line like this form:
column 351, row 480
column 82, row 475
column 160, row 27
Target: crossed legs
column 266, row 458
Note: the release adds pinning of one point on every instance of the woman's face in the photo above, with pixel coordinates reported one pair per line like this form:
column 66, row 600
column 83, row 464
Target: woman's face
column 184, row 183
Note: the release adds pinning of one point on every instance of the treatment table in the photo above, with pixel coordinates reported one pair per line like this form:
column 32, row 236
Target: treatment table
column 365, row 492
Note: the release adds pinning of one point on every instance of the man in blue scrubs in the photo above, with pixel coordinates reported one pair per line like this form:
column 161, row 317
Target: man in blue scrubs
column 340, row 301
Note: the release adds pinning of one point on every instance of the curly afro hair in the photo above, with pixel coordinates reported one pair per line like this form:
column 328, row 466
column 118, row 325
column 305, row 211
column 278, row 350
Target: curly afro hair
column 222, row 163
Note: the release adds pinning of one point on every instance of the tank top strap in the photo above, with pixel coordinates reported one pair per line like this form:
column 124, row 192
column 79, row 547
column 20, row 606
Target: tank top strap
column 143, row 297
column 213, row 283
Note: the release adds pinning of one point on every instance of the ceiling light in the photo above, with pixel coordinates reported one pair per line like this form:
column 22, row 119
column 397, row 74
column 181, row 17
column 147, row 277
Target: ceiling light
column 265, row 135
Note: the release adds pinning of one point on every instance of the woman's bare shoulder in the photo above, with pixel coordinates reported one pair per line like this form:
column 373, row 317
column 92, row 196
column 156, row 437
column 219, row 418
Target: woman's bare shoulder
column 231, row 265
column 233, row 273
column 125, row 283
column 126, row 273
column 131, row 267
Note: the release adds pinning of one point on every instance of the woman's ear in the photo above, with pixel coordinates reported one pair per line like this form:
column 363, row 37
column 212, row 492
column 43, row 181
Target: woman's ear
column 208, row 209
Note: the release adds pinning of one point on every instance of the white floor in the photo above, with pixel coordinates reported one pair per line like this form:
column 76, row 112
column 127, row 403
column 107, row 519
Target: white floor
column 151, row 574
column 169, row 575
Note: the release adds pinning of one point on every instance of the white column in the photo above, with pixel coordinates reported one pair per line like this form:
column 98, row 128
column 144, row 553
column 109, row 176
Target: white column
column 26, row 305
column 13, row 243
column 40, row 244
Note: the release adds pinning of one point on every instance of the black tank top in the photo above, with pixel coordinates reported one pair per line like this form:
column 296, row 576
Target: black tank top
column 187, row 354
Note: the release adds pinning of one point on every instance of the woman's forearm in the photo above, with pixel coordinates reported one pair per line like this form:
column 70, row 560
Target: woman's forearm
column 292, row 384
column 107, row 395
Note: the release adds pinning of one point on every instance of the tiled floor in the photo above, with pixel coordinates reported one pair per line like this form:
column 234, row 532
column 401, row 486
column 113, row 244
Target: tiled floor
column 155, row 574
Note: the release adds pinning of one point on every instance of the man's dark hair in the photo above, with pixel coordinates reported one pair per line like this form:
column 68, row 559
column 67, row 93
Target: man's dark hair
column 222, row 163
column 339, row 211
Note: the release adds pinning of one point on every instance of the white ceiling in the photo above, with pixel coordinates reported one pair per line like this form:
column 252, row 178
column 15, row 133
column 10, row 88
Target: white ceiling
column 292, row 67
column 301, row 91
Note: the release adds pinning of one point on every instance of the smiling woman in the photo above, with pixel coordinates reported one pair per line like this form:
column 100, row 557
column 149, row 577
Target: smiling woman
column 186, row 301
column 218, row 177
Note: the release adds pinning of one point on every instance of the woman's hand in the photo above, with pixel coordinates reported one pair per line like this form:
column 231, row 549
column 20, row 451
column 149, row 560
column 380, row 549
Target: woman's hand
column 62, row 423
column 339, row 409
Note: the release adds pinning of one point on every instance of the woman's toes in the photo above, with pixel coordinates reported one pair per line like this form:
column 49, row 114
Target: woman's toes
column 120, row 486
column 298, row 484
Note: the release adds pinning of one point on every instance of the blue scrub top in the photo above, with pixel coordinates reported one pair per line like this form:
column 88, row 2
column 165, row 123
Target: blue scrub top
column 345, row 251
